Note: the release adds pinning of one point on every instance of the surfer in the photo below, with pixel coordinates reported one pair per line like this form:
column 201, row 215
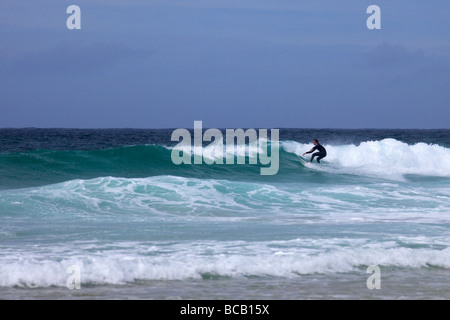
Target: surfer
column 321, row 151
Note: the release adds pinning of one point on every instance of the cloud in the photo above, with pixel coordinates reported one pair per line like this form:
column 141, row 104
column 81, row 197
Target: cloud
column 387, row 55
column 68, row 58
column 402, row 63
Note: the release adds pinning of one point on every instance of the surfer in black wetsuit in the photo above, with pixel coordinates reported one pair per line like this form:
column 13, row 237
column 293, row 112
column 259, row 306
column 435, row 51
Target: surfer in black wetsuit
column 321, row 152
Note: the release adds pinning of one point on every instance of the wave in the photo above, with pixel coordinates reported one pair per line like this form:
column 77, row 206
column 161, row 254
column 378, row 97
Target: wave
column 121, row 199
column 387, row 159
column 41, row 167
column 130, row 262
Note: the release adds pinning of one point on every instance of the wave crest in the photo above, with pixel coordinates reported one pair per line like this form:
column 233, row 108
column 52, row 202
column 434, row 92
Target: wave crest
column 388, row 158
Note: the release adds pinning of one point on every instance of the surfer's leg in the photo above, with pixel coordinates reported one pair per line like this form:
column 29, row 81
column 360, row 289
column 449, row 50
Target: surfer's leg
column 315, row 154
column 321, row 156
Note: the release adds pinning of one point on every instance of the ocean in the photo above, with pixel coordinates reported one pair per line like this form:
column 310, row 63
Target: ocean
column 106, row 214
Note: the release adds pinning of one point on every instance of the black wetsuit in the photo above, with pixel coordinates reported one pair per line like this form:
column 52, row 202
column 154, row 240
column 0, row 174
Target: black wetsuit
column 320, row 154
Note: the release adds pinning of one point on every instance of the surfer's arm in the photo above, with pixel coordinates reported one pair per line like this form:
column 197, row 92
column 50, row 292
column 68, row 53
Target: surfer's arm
column 309, row 151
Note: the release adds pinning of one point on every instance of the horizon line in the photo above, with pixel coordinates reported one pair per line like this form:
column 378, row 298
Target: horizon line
column 223, row 128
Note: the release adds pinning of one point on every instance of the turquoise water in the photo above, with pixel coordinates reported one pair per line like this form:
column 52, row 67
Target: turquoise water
column 111, row 203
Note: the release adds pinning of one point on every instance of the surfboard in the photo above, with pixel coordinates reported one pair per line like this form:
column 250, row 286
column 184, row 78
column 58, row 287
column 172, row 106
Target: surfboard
column 303, row 161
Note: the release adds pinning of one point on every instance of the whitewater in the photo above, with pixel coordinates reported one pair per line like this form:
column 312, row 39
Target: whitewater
column 139, row 226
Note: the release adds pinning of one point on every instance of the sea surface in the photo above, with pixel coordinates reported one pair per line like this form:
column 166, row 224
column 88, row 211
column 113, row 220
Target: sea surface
column 109, row 210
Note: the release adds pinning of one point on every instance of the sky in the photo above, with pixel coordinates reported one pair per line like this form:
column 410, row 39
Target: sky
column 228, row 63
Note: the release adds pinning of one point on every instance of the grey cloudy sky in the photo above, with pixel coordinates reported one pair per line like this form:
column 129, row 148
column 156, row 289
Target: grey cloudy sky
column 229, row 63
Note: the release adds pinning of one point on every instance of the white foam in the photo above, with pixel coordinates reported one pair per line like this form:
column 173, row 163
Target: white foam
column 388, row 158
column 170, row 196
column 251, row 151
column 193, row 261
